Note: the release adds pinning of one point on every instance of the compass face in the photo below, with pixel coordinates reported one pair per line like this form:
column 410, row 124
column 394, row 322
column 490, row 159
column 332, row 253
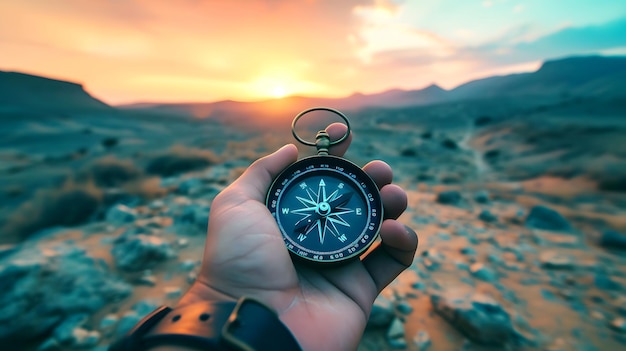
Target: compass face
column 327, row 208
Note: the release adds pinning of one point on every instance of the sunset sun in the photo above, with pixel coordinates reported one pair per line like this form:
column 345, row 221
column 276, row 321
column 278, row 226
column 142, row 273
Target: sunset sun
column 279, row 91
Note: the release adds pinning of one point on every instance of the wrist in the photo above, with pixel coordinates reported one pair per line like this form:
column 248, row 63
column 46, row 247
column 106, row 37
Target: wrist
column 200, row 292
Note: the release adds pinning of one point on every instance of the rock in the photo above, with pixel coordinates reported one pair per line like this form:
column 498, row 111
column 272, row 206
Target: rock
column 613, row 240
column 188, row 265
column 156, row 205
column 191, row 277
column 542, row 217
column 432, row 259
column 108, row 323
column 468, row 250
column 477, row 316
column 419, row 286
column 443, row 236
column 551, row 239
column 194, row 214
column 620, row 305
column 395, row 335
column 382, row 313
column 130, row 318
column 141, row 252
column 121, row 214
column 40, row 292
column 145, row 307
column 172, row 292
column 404, row 308
column 422, row 340
column 82, row 339
column 126, row 323
column 555, row 260
column 605, row 282
column 65, row 333
column 483, row 272
column 50, row 345
column 481, row 197
column 8, row 249
column 451, row 197
column 487, row 216
column 182, row 242
column 618, row 324
column 147, row 279
column 462, row 266
column 190, row 186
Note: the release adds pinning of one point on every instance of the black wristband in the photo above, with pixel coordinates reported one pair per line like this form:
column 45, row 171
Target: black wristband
column 247, row 325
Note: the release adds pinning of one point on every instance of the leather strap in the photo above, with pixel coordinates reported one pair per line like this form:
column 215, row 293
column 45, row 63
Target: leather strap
column 247, row 325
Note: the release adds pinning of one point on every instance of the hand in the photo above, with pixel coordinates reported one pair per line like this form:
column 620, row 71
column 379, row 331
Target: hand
column 325, row 308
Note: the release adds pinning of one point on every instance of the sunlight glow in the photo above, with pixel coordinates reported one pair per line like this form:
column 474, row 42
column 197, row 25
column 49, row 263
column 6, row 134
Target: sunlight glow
column 279, row 92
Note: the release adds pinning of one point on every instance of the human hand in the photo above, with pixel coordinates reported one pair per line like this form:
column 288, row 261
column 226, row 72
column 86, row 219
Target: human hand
column 325, row 308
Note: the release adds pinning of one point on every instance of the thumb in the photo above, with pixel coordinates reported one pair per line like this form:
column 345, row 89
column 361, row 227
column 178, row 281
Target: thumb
column 258, row 178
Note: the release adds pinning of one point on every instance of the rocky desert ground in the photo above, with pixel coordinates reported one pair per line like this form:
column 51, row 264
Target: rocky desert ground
column 520, row 206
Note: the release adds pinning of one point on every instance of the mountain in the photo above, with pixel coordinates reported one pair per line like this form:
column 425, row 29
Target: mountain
column 25, row 92
column 575, row 76
column 586, row 76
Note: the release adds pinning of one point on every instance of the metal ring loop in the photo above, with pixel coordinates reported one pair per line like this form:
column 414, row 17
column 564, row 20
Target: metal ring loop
column 295, row 120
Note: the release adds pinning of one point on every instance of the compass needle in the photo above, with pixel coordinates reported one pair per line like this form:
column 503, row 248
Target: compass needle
column 320, row 230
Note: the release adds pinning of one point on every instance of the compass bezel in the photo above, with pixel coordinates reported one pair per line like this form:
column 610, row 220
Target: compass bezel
column 345, row 171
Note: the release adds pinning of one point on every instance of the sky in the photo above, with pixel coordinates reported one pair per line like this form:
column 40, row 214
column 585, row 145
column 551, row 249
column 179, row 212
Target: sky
column 126, row 51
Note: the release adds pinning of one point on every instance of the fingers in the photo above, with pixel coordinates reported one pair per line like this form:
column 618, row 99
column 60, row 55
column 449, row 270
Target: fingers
column 336, row 131
column 393, row 255
column 255, row 181
column 394, row 197
column 394, row 201
column 380, row 172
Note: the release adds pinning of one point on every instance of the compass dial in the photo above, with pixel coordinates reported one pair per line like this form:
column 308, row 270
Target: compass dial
column 327, row 208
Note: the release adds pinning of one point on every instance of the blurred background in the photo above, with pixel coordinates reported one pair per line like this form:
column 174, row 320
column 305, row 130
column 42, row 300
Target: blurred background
column 504, row 120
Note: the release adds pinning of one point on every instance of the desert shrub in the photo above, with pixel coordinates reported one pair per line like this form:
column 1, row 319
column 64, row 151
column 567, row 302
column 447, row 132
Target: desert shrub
column 482, row 121
column 449, row 144
column 613, row 184
column 110, row 172
column 491, row 154
column 110, row 142
column 13, row 191
column 178, row 160
column 70, row 205
column 147, row 188
column 408, row 152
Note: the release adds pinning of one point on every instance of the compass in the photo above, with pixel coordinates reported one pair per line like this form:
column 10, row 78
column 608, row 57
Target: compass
column 327, row 208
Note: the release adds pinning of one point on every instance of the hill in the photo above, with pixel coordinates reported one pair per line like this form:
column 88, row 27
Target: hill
column 573, row 77
column 29, row 93
column 589, row 76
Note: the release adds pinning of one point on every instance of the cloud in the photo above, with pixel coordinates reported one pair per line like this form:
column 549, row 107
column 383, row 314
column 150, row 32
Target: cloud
column 455, row 64
column 129, row 50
